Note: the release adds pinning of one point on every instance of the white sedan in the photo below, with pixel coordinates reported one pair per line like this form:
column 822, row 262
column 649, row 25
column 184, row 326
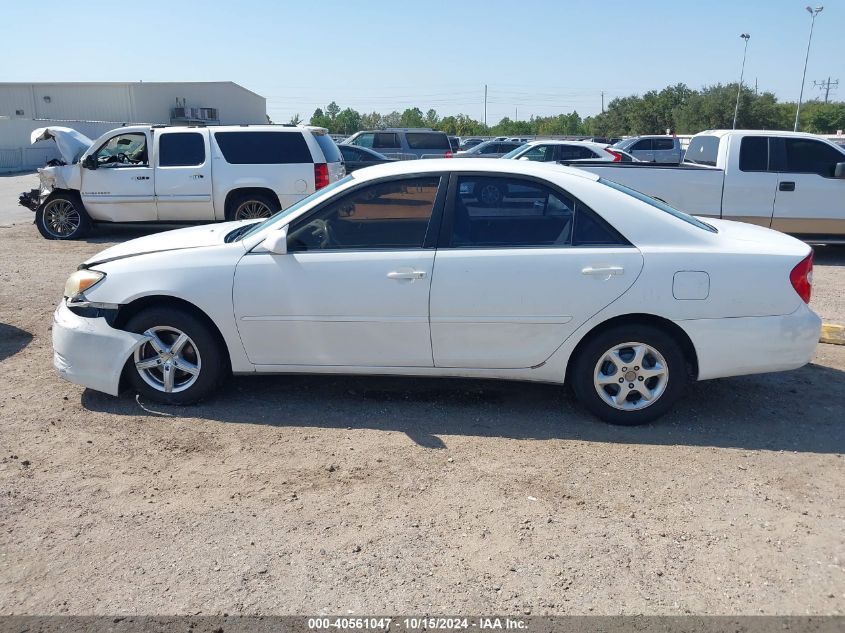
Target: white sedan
column 551, row 150
column 413, row 268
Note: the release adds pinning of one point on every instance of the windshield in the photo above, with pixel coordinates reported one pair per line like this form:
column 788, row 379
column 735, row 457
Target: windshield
column 295, row 207
column 625, row 144
column 514, row 153
column 659, row 205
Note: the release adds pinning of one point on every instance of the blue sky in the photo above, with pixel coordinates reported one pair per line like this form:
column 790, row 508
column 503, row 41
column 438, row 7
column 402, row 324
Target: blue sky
column 537, row 57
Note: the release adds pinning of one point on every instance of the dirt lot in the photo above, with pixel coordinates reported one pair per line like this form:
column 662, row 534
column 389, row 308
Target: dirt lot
column 384, row 495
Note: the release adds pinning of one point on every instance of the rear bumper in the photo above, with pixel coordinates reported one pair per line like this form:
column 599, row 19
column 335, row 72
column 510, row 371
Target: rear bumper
column 753, row 345
column 89, row 352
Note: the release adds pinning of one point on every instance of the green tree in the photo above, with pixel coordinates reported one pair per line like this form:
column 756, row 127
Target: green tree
column 348, row 121
column 431, row 118
column 296, row 119
column 412, row 117
column 319, row 119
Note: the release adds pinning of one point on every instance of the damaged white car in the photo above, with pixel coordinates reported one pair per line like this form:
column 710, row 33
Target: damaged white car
column 178, row 175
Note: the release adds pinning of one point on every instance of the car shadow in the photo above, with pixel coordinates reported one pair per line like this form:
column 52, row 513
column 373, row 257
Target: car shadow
column 799, row 411
column 12, row 340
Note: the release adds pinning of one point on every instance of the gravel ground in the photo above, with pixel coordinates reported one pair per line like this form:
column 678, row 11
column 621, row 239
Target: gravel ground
column 300, row 495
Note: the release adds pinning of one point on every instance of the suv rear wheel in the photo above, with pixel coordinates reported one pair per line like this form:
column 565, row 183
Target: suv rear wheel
column 251, row 206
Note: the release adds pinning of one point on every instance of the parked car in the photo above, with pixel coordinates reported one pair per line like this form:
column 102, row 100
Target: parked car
column 455, row 142
column 792, row 182
column 178, row 174
column 404, row 143
column 490, row 149
column 469, row 143
column 573, row 151
column 564, row 277
column 653, row 149
column 604, row 140
column 358, row 157
column 519, row 139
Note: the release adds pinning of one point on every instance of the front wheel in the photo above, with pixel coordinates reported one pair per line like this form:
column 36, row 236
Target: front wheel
column 181, row 362
column 62, row 217
column 630, row 375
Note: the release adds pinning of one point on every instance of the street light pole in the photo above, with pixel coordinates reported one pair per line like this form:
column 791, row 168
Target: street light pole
column 814, row 13
column 746, row 37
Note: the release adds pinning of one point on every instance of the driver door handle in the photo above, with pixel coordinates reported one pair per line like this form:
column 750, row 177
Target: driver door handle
column 603, row 271
column 406, row 274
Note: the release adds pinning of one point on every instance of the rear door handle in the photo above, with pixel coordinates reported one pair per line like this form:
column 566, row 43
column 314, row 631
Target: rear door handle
column 603, row 271
column 787, row 185
column 406, row 274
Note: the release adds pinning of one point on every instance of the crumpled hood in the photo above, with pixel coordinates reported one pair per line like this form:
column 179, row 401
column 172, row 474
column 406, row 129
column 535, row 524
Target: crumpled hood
column 72, row 144
column 191, row 237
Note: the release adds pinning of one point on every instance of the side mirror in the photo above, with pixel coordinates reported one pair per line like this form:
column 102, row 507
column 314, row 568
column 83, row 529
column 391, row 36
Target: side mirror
column 277, row 242
column 90, row 162
column 839, row 170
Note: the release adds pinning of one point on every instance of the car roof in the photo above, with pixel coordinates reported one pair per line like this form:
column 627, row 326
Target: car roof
column 560, row 141
column 491, row 165
column 757, row 133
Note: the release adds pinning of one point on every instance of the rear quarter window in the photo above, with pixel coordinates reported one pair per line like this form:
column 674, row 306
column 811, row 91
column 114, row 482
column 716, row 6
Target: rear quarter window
column 427, row 140
column 703, row 150
column 330, row 149
column 263, row 148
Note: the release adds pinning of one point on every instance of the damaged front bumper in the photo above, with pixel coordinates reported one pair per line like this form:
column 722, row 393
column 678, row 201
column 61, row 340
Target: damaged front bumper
column 31, row 199
column 89, row 352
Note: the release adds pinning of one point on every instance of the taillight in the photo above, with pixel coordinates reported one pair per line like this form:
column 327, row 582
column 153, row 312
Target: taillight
column 801, row 278
column 616, row 155
column 448, row 155
column 321, row 175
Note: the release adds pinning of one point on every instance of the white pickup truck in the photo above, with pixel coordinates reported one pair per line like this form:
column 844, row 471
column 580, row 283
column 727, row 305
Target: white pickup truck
column 178, row 174
column 787, row 181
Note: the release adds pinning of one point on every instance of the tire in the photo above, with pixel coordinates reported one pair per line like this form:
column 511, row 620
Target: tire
column 489, row 194
column 62, row 217
column 197, row 367
column 662, row 373
column 249, row 206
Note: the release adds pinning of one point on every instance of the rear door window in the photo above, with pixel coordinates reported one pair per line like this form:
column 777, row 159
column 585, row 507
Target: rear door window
column 181, row 149
column 806, row 156
column 427, row 140
column 754, row 153
column 386, row 140
column 263, row 148
column 329, row 147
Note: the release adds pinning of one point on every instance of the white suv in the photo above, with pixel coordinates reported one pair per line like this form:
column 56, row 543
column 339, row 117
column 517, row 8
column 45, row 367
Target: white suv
column 180, row 174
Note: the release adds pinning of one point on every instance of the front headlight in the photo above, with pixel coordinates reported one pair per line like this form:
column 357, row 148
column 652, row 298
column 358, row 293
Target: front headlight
column 82, row 280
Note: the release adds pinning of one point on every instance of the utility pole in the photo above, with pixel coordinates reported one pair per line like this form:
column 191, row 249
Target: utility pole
column 746, row 37
column 826, row 86
column 602, row 101
column 485, row 105
column 813, row 13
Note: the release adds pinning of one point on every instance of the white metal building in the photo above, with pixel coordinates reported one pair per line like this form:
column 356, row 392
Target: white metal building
column 96, row 108
column 215, row 102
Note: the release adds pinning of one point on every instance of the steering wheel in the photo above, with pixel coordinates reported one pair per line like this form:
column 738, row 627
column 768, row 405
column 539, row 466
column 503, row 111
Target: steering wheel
column 314, row 234
column 122, row 158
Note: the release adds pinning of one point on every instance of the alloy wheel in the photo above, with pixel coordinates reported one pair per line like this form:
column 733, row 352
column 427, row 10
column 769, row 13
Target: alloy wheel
column 168, row 360
column 631, row 376
column 251, row 210
column 61, row 218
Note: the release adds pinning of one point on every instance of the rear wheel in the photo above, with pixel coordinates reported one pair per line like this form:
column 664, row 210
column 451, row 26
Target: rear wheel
column 630, row 374
column 181, row 362
column 62, row 217
column 251, row 206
